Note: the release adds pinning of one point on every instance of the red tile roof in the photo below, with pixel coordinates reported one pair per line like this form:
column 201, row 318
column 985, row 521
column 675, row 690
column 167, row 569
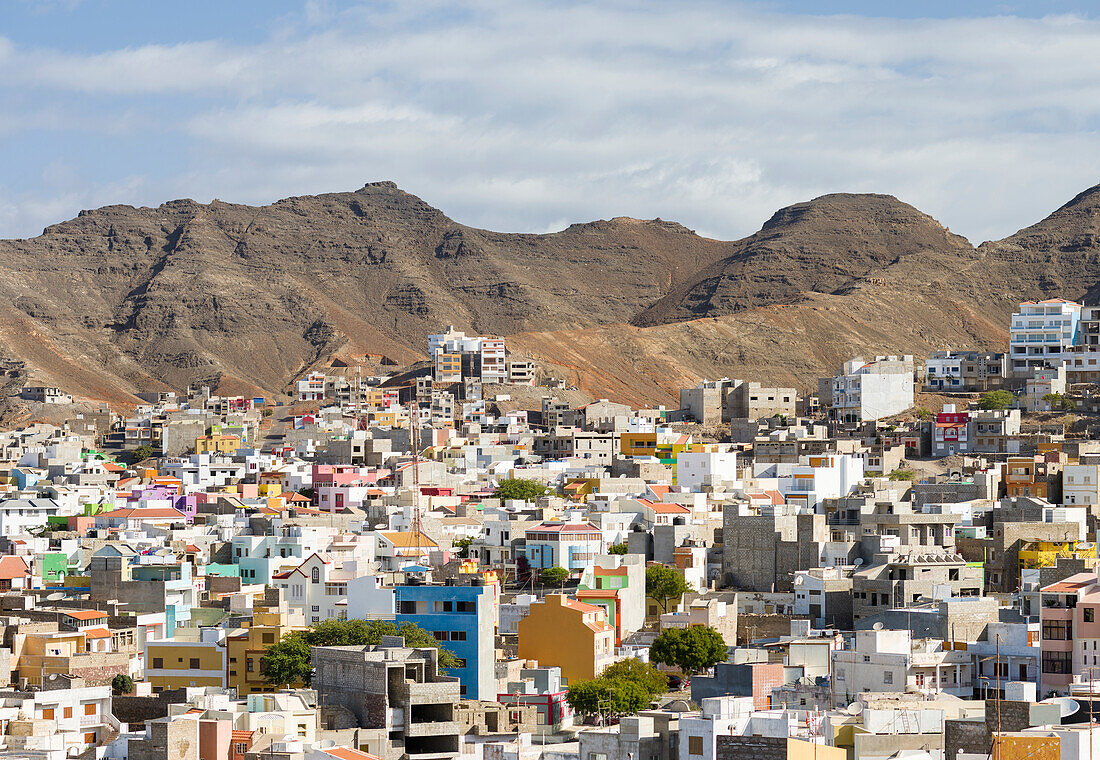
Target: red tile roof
column 12, row 567
column 346, row 753
column 85, row 614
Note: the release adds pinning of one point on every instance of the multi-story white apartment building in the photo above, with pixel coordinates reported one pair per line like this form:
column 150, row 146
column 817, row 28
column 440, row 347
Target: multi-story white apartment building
column 708, row 467
column 1081, row 484
column 457, row 356
column 891, row 661
column 1041, row 333
column 871, row 390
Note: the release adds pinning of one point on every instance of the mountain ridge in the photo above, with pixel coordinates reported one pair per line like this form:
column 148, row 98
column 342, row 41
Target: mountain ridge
column 121, row 299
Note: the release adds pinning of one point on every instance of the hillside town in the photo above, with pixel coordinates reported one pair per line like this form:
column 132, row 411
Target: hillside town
column 458, row 559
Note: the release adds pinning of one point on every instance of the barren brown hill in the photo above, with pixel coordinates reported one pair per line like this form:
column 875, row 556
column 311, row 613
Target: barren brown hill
column 122, row 299
column 828, row 245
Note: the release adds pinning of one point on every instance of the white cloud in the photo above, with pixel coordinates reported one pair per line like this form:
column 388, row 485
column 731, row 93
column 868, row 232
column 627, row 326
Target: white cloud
column 518, row 116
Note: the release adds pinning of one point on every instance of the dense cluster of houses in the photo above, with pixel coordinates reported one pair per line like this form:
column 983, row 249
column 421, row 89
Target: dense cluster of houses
column 886, row 578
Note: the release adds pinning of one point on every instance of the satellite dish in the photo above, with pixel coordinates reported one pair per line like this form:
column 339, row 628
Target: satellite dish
column 326, row 743
column 1066, row 706
column 877, row 627
column 381, row 526
column 858, row 561
column 799, row 580
column 854, row 709
column 56, row 596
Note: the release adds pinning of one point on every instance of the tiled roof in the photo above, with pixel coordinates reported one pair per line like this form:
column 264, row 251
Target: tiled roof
column 12, row 567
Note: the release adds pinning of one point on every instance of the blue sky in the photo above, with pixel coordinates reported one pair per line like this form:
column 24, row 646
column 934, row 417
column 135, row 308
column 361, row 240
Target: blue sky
column 534, row 115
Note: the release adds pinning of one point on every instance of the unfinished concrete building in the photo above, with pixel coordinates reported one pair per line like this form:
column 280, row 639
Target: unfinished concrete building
column 393, row 687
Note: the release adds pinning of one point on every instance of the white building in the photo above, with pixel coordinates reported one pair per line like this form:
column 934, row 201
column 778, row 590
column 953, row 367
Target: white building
column 1042, row 384
column 872, row 390
column 1040, row 333
column 1081, row 484
column 696, row 469
column 891, row 661
column 815, row 477
column 943, row 371
column 311, row 387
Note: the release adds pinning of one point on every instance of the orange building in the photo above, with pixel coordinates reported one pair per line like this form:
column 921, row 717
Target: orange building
column 569, row 634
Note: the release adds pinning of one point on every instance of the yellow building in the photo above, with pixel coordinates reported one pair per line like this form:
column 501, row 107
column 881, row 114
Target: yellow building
column 267, row 490
column 1036, row 554
column 246, row 647
column 38, row 655
column 193, row 657
column 217, row 444
column 638, row 444
column 569, row 634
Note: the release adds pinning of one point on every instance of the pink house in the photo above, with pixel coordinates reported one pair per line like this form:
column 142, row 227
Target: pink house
column 1070, row 644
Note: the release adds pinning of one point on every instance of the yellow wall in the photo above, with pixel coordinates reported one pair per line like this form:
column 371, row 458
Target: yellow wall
column 1033, row 748
column 802, row 750
column 177, row 657
column 267, row 628
column 217, row 444
column 555, row 634
column 638, row 444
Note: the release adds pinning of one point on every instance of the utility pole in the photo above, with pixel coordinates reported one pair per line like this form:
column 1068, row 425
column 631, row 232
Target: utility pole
column 997, row 739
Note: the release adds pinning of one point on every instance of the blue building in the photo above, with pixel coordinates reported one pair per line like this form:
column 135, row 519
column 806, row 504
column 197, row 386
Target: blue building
column 463, row 619
column 573, row 546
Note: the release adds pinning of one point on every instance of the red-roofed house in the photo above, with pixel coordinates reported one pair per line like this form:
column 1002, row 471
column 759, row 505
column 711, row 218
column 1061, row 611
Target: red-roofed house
column 14, row 574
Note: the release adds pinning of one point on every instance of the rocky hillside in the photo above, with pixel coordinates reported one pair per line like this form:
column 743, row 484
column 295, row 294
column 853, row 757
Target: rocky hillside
column 121, row 299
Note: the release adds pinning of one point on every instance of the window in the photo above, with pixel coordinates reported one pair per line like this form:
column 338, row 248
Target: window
column 248, row 664
column 269, row 638
column 888, row 676
column 47, row 713
column 695, row 745
column 1089, row 614
column 1057, row 630
column 316, row 575
column 158, row 662
column 68, row 712
column 194, row 663
column 460, row 662
column 241, row 748
column 89, row 709
column 1057, row 662
column 458, row 635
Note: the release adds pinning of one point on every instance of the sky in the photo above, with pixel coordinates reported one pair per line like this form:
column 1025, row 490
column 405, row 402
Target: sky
column 519, row 115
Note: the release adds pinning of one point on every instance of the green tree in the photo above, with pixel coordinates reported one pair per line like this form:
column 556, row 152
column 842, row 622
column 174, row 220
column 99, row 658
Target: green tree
column 689, row 649
column 462, row 547
column 141, row 453
column 554, row 576
column 288, row 660
column 663, row 583
column 617, row 549
column 996, row 400
column 604, row 695
column 521, row 489
column 922, row 413
column 646, row 675
column 122, row 684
